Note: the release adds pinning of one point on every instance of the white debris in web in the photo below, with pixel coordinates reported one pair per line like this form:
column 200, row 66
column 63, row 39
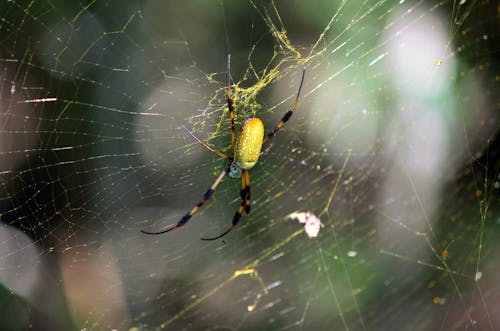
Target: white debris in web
column 352, row 253
column 312, row 224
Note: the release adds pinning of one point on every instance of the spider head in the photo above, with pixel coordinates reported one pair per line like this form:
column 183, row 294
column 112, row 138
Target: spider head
column 234, row 170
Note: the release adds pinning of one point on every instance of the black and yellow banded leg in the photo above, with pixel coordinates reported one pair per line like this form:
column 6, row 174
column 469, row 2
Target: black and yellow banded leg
column 287, row 116
column 236, row 219
column 230, row 101
column 246, row 176
column 244, row 205
column 205, row 197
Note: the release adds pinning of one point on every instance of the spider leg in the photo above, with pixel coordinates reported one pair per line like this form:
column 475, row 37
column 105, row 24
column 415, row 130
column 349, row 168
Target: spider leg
column 230, row 100
column 246, row 175
column 244, row 206
column 203, row 144
column 206, row 196
column 287, row 115
column 268, row 148
column 236, row 219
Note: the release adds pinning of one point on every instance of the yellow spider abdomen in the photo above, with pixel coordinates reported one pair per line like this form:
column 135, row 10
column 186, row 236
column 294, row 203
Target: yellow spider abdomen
column 249, row 143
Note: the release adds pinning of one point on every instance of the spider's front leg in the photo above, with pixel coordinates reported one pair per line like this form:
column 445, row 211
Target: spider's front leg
column 246, row 191
column 244, row 205
column 208, row 194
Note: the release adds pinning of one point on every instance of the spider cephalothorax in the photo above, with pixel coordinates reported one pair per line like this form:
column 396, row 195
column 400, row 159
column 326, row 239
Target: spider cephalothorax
column 234, row 170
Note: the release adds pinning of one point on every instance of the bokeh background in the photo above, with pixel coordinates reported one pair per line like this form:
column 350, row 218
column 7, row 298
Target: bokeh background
column 394, row 146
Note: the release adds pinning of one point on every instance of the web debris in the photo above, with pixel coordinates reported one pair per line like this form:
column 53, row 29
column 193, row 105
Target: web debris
column 312, row 224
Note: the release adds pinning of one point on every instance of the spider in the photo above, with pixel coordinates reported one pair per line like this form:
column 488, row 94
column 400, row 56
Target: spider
column 246, row 152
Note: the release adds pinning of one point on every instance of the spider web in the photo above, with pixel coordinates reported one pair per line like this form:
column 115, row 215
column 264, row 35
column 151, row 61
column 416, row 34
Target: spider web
column 394, row 146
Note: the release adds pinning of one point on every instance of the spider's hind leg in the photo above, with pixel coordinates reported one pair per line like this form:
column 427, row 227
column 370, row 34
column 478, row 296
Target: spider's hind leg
column 288, row 114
